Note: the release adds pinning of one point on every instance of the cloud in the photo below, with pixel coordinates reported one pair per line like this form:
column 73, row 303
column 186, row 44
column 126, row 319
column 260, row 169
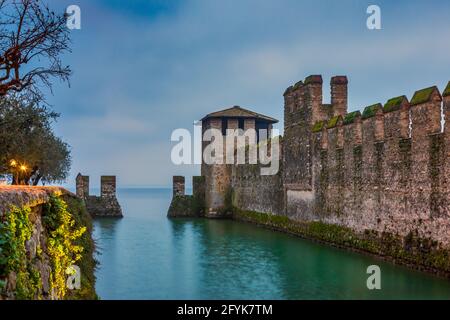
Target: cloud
column 143, row 70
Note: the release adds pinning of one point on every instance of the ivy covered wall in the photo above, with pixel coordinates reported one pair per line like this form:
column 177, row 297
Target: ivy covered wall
column 45, row 235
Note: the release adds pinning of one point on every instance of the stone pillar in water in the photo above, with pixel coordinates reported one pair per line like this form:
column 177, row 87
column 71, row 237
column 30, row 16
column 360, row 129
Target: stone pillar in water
column 82, row 186
column 108, row 186
column 178, row 186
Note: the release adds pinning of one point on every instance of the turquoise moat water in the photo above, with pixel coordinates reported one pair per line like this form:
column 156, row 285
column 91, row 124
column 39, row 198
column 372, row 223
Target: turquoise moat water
column 148, row 256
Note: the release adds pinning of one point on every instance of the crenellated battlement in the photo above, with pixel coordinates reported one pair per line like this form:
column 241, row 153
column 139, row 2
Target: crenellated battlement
column 387, row 168
column 105, row 205
column 307, row 95
column 398, row 118
column 382, row 172
column 384, row 168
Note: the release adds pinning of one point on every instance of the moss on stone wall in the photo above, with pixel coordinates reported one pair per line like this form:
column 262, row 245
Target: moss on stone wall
column 371, row 111
column 87, row 263
column 181, row 206
column 424, row 254
column 394, row 104
column 351, row 117
column 423, row 96
column 186, row 206
column 332, row 123
column 15, row 230
column 39, row 244
column 318, row 126
column 446, row 90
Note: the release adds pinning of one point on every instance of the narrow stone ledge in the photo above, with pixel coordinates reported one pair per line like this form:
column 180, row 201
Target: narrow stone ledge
column 20, row 196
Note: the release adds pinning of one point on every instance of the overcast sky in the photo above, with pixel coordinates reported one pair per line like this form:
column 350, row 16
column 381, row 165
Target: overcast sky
column 143, row 68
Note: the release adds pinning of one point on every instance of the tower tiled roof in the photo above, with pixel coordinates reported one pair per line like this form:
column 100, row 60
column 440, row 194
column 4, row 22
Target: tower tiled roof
column 238, row 112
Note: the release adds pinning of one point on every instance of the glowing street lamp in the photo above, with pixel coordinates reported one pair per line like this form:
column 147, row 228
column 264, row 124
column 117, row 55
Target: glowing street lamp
column 13, row 163
column 23, row 168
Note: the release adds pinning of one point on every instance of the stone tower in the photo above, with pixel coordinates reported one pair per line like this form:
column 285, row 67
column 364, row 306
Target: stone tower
column 218, row 174
column 82, row 186
column 303, row 107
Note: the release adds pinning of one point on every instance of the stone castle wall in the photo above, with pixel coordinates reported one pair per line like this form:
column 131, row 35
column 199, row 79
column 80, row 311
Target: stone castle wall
column 377, row 181
column 105, row 205
column 255, row 192
column 386, row 170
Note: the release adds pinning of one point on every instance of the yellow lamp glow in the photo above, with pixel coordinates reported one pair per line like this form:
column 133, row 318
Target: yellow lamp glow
column 13, row 163
column 23, row 168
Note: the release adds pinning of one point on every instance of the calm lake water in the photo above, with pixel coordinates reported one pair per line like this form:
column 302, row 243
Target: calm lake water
column 148, row 256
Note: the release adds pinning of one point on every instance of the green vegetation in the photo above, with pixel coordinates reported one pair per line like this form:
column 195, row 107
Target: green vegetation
column 31, row 35
column 182, row 206
column 60, row 245
column 15, row 230
column 447, row 90
column 394, row 104
column 32, row 153
column 350, row 117
column 412, row 249
column 318, row 126
column 67, row 243
column 332, row 123
column 70, row 242
column 423, row 95
column 371, row 111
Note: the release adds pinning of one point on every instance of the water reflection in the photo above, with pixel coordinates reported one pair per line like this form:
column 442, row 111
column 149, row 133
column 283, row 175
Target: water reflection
column 147, row 256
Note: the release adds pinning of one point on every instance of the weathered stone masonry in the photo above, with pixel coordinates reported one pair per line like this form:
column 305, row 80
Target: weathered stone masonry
column 391, row 180
column 105, row 205
column 382, row 173
column 183, row 205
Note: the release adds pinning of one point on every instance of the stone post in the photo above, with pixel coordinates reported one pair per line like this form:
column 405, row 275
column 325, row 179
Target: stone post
column 178, row 186
column 339, row 100
column 426, row 112
column 313, row 98
column 108, row 186
column 82, row 186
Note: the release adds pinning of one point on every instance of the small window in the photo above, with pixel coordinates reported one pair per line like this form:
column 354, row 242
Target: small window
column 241, row 123
column 224, row 126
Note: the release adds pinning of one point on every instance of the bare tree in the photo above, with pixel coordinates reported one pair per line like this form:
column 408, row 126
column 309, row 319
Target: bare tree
column 32, row 38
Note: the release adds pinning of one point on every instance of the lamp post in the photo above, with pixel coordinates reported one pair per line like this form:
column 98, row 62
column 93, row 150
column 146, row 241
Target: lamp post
column 23, row 169
column 18, row 170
